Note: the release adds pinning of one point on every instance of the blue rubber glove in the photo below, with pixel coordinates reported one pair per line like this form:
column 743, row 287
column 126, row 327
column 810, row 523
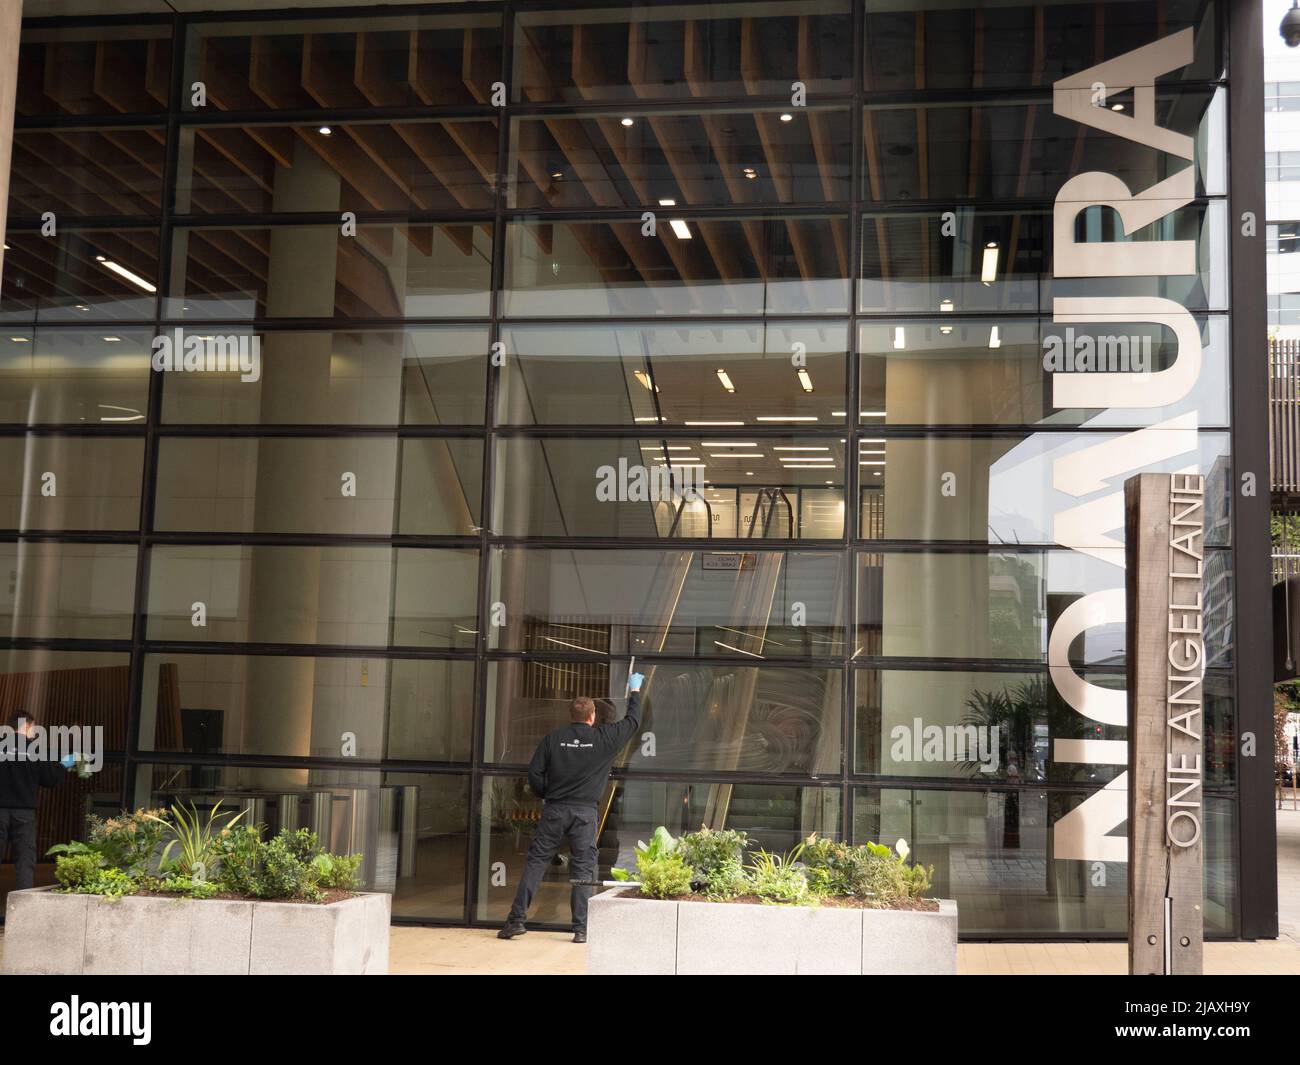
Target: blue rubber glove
column 68, row 761
column 635, row 681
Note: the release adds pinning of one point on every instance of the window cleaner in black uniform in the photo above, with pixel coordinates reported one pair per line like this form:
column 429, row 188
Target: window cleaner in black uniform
column 568, row 772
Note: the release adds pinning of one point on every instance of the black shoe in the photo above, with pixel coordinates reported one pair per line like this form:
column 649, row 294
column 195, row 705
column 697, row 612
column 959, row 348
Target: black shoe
column 580, row 937
column 511, row 929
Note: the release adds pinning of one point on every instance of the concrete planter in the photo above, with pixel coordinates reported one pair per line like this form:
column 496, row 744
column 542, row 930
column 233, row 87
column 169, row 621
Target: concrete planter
column 629, row 936
column 49, row 933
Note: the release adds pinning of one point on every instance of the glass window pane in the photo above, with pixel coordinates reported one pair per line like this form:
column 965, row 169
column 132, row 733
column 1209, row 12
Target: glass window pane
column 957, row 371
column 1002, row 604
column 776, row 604
column 342, row 166
column 1006, row 488
column 993, row 851
column 77, row 483
column 1002, row 262
column 341, row 485
column 682, row 158
column 409, row 828
column 682, row 50
column 1020, row 149
column 414, row 61
column 669, row 375
column 310, row 271
column 72, row 689
column 342, row 596
column 752, row 719
column 777, row 487
column 90, row 274
column 94, row 70
column 705, row 266
column 434, row 375
column 52, row 376
column 775, row 817
column 301, row 707
column 72, row 591
column 117, row 171
column 969, row 45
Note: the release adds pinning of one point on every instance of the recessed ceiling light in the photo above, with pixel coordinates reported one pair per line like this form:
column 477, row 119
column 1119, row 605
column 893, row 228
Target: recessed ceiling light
column 787, row 118
column 989, row 267
column 680, row 229
column 712, row 423
column 945, row 305
column 644, row 378
column 995, row 338
column 325, row 131
column 805, row 381
column 627, row 121
column 728, row 443
column 557, row 174
column 129, row 275
column 791, row 418
column 20, row 340
column 1117, row 107
column 802, row 447
column 726, row 380
column 667, row 203
column 900, row 337
column 111, row 340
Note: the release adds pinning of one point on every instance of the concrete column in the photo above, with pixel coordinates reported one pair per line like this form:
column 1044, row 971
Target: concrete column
column 11, row 16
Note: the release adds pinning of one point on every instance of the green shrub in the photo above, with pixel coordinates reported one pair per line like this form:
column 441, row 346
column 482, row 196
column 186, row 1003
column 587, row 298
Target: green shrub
column 727, row 881
column 128, row 842
column 663, row 878
column 288, row 870
column 187, row 886
column 238, row 851
column 778, row 877
column 111, row 883
column 74, row 870
column 707, row 852
column 871, row 871
column 337, row 871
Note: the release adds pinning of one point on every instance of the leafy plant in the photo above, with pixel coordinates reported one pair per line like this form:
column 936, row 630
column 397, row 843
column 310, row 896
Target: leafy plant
column 111, row 883
column 237, row 851
column 193, row 840
column 73, row 870
column 128, row 842
column 337, row 870
column 779, row 877
column 727, row 881
column 288, row 869
column 707, row 851
column 870, row 871
column 663, row 878
column 188, row 886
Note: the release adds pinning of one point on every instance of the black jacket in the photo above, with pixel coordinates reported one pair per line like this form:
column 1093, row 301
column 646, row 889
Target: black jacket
column 19, row 781
column 572, row 764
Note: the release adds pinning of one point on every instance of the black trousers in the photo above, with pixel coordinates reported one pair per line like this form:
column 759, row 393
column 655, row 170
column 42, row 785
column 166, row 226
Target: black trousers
column 558, row 823
column 18, row 827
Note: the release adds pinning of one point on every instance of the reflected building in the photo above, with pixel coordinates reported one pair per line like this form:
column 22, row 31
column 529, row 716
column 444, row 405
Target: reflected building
column 874, row 275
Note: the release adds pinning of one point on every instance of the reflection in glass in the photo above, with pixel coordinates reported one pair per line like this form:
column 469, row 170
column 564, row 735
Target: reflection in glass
column 409, row 828
column 589, row 374
column 754, row 604
column 411, row 61
column 775, row 817
column 94, row 70
column 95, row 485
column 74, row 591
column 683, row 50
column 1022, row 150
column 74, row 376
column 752, row 719
column 88, row 274
column 1010, row 490
column 969, row 45
column 344, row 485
column 959, row 371
column 704, row 266
column 359, row 166
column 72, row 172
column 310, row 271
column 299, row 707
column 774, row 488
column 994, row 850
column 683, row 159
column 1002, row 604
column 432, row 375
column 345, row 596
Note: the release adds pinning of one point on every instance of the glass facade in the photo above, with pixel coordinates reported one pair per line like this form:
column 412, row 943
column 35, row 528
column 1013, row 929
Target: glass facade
column 505, row 279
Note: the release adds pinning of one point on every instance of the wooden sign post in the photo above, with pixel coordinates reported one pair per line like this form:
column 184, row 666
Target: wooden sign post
column 1165, row 559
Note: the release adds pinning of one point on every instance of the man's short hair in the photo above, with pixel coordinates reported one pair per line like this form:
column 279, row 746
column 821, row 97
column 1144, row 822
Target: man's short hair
column 581, row 708
column 16, row 718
